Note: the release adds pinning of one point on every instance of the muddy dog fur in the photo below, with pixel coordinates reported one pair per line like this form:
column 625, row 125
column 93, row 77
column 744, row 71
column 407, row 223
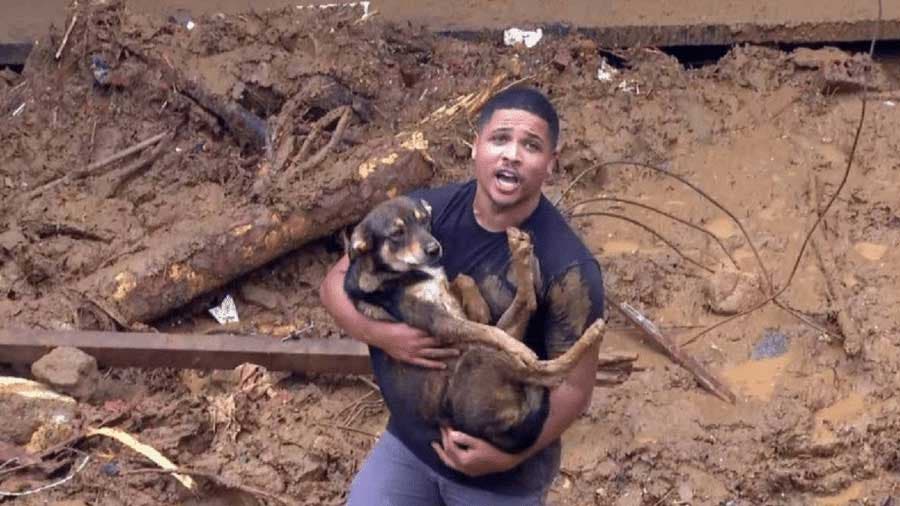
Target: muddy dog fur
column 497, row 389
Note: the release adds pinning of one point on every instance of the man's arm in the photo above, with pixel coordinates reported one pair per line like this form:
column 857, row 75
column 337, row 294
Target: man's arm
column 400, row 341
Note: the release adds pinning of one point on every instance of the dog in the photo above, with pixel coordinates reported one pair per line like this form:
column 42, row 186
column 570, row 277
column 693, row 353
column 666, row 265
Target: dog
column 496, row 389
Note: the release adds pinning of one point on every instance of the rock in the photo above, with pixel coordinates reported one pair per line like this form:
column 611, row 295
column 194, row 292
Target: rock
column 841, row 71
column 730, row 292
column 562, row 60
column 35, row 407
column 807, row 58
column 773, row 344
column 68, row 370
column 262, row 297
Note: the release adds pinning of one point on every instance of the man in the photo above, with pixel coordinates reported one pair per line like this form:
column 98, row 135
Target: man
column 413, row 464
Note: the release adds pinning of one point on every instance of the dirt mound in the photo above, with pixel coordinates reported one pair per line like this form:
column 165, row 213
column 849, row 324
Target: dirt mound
column 266, row 113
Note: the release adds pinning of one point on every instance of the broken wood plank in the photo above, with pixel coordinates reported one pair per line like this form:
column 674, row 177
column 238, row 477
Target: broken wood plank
column 190, row 351
column 707, row 379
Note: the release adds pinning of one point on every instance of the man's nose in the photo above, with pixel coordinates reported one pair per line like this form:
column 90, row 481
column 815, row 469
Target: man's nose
column 511, row 151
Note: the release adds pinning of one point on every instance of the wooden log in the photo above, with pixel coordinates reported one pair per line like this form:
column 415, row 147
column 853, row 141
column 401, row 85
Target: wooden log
column 149, row 285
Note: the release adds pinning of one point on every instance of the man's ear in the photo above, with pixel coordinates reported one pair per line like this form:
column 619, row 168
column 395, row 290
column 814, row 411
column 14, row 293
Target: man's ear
column 360, row 241
column 554, row 162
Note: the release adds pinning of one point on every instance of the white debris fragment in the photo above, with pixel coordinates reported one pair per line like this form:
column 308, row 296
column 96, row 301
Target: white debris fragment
column 629, row 86
column 890, row 103
column 190, row 25
column 364, row 5
column 528, row 37
column 19, row 110
column 226, row 312
column 606, row 71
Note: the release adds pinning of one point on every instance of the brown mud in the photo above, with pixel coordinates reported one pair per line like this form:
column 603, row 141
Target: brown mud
column 811, row 426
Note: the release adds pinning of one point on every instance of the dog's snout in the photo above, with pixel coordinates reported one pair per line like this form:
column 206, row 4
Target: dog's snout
column 433, row 249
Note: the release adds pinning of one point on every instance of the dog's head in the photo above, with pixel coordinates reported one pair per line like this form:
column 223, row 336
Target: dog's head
column 397, row 234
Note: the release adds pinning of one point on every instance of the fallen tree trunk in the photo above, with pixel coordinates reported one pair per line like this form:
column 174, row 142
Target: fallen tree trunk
column 149, row 285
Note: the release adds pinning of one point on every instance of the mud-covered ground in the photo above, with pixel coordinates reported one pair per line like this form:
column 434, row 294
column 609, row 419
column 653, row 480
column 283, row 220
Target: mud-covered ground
column 762, row 131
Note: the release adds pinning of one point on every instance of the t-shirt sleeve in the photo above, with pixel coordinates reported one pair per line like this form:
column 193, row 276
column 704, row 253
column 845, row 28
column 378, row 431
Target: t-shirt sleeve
column 575, row 300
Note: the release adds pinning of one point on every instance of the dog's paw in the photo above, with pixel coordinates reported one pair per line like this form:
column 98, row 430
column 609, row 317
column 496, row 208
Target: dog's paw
column 519, row 242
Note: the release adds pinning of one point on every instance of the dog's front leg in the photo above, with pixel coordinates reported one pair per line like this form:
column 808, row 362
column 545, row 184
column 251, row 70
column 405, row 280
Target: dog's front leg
column 514, row 320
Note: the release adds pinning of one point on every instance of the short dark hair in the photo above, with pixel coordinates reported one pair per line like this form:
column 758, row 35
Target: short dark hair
column 524, row 98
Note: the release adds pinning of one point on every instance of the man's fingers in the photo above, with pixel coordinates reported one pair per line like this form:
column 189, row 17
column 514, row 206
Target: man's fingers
column 449, row 447
column 443, row 456
column 427, row 341
column 458, row 438
column 438, row 353
column 428, row 364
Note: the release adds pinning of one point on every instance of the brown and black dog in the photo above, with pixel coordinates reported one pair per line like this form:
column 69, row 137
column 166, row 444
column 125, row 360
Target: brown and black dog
column 497, row 389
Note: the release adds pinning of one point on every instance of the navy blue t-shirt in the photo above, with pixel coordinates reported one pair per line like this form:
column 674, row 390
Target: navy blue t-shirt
column 570, row 298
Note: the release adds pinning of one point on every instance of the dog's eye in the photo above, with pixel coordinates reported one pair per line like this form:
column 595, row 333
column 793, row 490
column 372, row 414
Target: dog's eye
column 397, row 233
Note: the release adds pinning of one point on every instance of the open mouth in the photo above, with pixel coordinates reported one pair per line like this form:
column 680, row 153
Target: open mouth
column 507, row 180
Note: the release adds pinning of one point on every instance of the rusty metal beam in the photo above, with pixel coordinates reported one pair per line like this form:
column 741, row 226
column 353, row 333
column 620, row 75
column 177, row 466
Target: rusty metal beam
column 190, row 351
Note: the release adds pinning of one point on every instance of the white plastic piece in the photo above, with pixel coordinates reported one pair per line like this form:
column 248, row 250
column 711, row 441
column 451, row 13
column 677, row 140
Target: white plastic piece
column 226, row 312
column 528, row 37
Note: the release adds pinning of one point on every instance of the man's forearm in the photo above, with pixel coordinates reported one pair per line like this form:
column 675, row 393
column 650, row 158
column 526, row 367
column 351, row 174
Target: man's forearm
column 341, row 308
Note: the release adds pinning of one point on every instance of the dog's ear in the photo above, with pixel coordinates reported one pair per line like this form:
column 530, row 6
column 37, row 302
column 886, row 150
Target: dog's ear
column 360, row 241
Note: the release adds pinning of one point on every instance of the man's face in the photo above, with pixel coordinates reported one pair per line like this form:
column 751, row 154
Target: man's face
column 513, row 156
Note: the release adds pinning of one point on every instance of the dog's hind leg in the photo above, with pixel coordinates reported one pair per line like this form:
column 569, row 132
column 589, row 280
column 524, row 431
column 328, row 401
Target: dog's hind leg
column 514, row 320
column 553, row 372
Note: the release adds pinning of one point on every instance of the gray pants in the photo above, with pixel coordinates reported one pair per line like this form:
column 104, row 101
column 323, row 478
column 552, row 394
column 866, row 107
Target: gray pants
column 393, row 476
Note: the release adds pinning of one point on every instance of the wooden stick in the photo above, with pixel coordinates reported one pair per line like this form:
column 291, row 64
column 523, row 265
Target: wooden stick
column 348, row 429
column 827, row 263
column 94, row 167
column 218, row 480
column 115, row 157
column 66, row 36
column 335, row 139
column 706, row 378
column 135, row 168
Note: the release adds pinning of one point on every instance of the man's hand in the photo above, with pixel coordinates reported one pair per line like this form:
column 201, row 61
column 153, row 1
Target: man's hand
column 413, row 346
column 472, row 456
